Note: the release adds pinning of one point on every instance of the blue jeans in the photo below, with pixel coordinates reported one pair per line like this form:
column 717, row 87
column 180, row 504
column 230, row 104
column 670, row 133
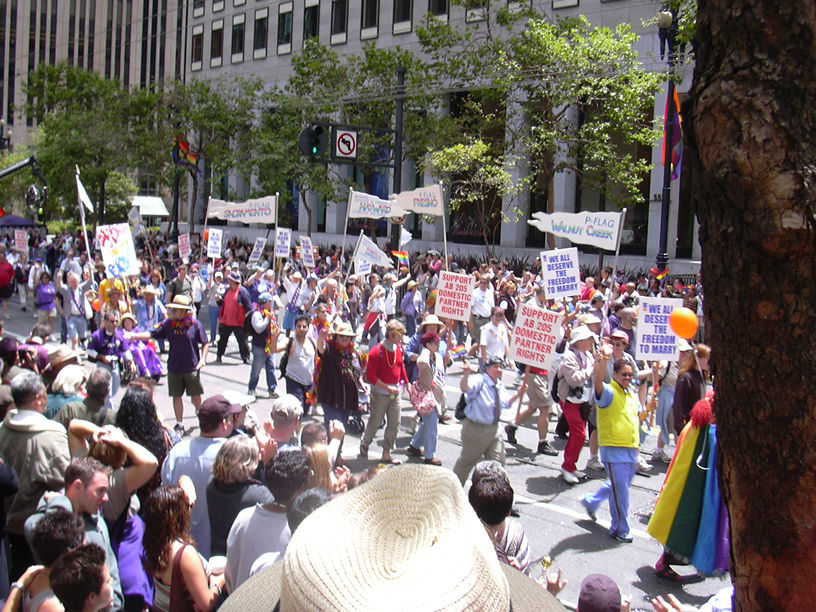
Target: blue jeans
column 293, row 387
column 213, row 310
column 665, row 401
column 426, row 432
column 260, row 360
column 616, row 490
column 410, row 325
column 333, row 413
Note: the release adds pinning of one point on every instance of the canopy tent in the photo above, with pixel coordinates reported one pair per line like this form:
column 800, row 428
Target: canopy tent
column 150, row 206
column 15, row 221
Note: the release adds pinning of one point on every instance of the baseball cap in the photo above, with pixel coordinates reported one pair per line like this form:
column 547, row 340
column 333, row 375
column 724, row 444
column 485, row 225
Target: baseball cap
column 218, row 406
column 599, row 593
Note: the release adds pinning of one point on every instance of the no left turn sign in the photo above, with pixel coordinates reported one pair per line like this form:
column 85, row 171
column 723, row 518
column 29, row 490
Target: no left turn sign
column 345, row 144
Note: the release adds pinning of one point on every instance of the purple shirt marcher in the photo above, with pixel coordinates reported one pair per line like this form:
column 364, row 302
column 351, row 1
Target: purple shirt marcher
column 46, row 294
column 102, row 344
column 184, row 345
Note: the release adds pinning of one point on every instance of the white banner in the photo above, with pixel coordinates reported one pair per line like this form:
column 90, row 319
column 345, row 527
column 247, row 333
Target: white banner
column 259, row 210
column 534, row 336
column 370, row 252
column 453, row 296
column 283, row 241
column 560, row 273
column 600, row 229
column 21, row 240
column 366, row 205
column 257, row 250
column 654, row 338
column 216, row 237
column 422, row 201
column 118, row 253
column 184, row 246
column 306, row 252
column 405, row 237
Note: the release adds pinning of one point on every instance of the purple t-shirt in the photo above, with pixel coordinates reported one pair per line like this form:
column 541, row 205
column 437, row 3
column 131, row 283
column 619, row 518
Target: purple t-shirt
column 184, row 345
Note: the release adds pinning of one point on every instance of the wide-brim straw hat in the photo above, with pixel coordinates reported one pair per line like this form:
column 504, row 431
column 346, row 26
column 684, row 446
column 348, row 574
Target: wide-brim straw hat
column 431, row 319
column 181, row 302
column 406, row 540
column 344, row 329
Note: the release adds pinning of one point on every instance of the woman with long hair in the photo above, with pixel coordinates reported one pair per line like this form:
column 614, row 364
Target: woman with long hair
column 692, row 381
column 138, row 419
column 320, row 462
column 233, row 488
column 180, row 579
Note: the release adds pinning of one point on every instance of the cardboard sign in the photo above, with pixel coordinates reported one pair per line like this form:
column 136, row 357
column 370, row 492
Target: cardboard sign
column 559, row 269
column 362, row 267
column 216, row 238
column 306, row 251
column 283, row 241
column 184, row 246
column 118, row 252
column 257, row 250
column 535, row 336
column 453, row 296
column 21, row 240
column 655, row 341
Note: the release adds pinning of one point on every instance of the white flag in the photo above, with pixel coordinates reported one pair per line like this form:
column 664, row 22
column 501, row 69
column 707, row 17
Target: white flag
column 405, row 237
column 366, row 205
column 422, row 201
column 370, row 252
column 83, row 195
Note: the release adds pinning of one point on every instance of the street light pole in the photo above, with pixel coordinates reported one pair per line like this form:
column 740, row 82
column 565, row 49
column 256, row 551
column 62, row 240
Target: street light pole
column 667, row 22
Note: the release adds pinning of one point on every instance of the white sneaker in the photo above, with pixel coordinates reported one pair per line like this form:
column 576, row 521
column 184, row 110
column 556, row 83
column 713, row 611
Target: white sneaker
column 579, row 474
column 569, row 477
column 595, row 464
column 660, row 455
column 643, row 468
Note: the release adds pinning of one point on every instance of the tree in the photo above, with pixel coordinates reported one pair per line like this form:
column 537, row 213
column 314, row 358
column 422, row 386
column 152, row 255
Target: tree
column 753, row 129
column 13, row 188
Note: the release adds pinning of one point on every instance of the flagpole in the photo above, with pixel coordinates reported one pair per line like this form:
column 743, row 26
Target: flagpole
column 82, row 219
column 620, row 235
column 274, row 246
column 345, row 227
column 444, row 233
column 353, row 255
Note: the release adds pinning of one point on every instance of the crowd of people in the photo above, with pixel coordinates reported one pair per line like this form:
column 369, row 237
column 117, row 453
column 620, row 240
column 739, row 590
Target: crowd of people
column 89, row 470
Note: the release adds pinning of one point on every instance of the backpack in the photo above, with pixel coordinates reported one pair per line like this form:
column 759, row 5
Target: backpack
column 284, row 362
column 247, row 326
column 459, row 412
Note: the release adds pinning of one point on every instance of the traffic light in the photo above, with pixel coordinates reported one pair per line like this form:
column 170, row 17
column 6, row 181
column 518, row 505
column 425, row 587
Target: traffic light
column 313, row 141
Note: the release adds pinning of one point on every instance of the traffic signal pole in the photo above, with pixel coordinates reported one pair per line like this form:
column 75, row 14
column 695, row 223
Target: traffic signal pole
column 395, row 228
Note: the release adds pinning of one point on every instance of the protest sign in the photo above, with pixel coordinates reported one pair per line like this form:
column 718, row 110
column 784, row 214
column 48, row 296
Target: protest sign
column 258, row 210
column 654, row 338
column 560, row 273
column 422, row 201
column 596, row 228
column 257, row 250
column 366, row 205
column 535, row 335
column 118, row 253
column 184, row 246
column 216, row 237
column 362, row 267
column 21, row 240
column 306, row 252
column 453, row 297
column 283, row 241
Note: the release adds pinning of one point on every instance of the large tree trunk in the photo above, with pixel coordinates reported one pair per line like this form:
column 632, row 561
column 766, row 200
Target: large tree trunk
column 753, row 114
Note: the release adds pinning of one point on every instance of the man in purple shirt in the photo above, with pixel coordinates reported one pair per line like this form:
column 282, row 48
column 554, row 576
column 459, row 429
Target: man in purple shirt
column 187, row 355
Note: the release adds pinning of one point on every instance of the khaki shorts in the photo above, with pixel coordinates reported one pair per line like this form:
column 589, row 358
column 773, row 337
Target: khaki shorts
column 177, row 383
column 43, row 316
column 538, row 391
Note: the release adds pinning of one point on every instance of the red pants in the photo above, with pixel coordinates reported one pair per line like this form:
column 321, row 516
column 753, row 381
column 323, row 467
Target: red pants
column 577, row 435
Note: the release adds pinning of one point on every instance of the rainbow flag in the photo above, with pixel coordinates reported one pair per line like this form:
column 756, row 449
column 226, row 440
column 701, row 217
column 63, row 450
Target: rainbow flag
column 402, row 257
column 676, row 136
column 458, row 351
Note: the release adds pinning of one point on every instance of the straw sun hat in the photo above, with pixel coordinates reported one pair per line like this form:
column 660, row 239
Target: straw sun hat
column 406, row 540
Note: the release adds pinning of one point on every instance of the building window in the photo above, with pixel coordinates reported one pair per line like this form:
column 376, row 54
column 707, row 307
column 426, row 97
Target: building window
column 370, row 19
column 311, row 19
column 238, row 38
column 285, row 28
column 260, row 33
column 238, row 2
column 559, row 4
column 197, row 48
column 218, row 5
column 198, row 8
column 339, row 21
column 217, row 43
column 438, row 8
column 403, row 10
column 476, row 10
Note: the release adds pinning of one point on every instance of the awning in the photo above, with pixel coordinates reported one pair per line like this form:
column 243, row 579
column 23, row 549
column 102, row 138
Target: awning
column 151, row 206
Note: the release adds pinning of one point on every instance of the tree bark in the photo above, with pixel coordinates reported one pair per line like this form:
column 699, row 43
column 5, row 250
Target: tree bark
column 752, row 115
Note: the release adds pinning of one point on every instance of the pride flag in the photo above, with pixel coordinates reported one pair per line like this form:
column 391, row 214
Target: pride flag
column 458, row 351
column 402, row 257
column 676, row 137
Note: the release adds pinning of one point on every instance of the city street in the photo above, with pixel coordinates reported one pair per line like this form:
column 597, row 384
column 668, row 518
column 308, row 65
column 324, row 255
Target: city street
column 550, row 509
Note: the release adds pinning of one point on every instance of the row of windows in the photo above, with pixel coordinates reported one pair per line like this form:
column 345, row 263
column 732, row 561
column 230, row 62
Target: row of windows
column 369, row 27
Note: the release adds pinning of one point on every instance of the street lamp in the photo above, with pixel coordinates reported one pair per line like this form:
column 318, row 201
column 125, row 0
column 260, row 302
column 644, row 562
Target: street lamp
column 667, row 22
column 5, row 137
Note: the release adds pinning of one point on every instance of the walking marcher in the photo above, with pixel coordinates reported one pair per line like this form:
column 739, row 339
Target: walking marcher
column 264, row 345
column 428, row 397
column 6, row 281
column 75, row 309
column 385, row 373
column 338, row 375
column 234, row 307
column 619, row 439
column 298, row 362
column 537, row 388
column 483, row 302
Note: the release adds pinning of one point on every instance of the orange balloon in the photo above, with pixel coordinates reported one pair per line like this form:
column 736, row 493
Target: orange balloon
column 206, row 235
column 683, row 322
column 95, row 305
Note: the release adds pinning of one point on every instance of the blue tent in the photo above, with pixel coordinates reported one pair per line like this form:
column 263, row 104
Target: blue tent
column 15, row 221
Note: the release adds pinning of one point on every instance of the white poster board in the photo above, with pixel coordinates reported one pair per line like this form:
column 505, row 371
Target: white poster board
column 257, row 250
column 118, row 252
column 21, row 240
column 535, row 336
column 560, row 273
column 184, row 246
column 362, row 267
column 216, row 237
column 454, row 295
column 283, row 242
column 654, row 338
column 306, row 252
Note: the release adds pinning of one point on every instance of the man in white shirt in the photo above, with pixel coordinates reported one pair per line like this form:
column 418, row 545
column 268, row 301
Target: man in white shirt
column 494, row 337
column 481, row 304
column 300, row 363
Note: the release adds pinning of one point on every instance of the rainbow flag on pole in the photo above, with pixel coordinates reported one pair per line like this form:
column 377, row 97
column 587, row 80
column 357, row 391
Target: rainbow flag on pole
column 402, row 258
column 458, row 351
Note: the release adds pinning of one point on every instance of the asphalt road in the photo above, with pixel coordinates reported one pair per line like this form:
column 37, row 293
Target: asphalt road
column 551, row 513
